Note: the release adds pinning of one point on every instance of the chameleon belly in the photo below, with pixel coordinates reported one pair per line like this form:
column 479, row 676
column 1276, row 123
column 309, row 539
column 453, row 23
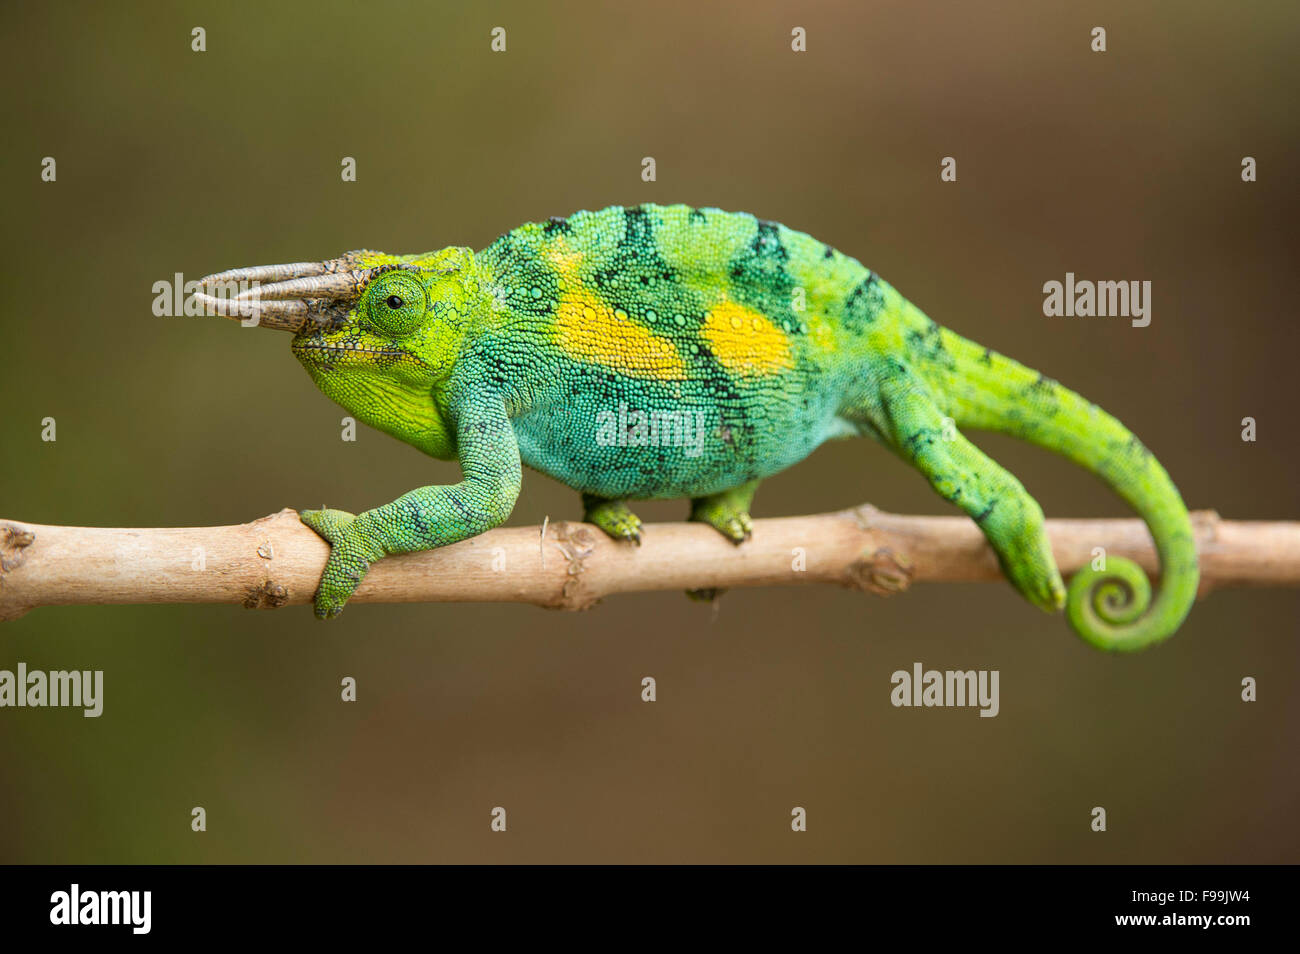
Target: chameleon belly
column 643, row 442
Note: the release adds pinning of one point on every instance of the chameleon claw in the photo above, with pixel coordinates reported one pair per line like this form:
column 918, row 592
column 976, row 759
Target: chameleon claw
column 727, row 512
column 614, row 517
column 736, row 527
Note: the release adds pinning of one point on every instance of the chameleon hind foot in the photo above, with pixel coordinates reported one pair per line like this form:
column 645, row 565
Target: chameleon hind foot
column 615, row 517
column 727, row 512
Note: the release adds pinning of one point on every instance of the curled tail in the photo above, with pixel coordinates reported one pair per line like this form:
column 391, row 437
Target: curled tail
column 1111, row 608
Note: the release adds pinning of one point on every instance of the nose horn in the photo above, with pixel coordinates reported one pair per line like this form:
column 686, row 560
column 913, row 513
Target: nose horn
column 278, row 315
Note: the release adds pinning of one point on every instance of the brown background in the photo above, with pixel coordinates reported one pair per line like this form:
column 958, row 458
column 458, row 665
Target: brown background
column 1123, row 165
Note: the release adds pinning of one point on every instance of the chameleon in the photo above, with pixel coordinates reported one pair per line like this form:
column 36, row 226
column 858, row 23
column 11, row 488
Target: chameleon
column 671, row 352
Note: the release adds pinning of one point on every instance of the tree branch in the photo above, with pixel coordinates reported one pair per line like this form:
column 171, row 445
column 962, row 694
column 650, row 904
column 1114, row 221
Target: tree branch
column 277, row 561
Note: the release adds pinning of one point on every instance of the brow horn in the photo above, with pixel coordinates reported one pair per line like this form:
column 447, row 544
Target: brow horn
column 266, row 273
column 332, row 286
column 279, row 273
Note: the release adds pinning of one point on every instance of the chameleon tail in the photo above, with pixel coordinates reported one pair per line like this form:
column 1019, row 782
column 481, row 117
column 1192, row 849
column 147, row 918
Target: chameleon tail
column 1110, row 608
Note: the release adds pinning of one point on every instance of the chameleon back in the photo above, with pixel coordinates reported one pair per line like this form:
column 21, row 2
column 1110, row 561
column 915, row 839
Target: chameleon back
column 665, row 351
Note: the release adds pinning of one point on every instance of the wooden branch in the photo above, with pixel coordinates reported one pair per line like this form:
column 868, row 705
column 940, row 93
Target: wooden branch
column 277, row 561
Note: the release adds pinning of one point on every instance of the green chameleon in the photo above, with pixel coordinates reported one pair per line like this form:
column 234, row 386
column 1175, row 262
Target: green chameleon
column 666, row 352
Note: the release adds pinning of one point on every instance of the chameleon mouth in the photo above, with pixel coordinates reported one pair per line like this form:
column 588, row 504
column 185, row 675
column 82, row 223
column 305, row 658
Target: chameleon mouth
column 350, row 349
column 297, row 294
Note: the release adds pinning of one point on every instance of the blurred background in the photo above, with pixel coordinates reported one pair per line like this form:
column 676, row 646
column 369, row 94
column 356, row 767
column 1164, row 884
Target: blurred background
column 1116, row 165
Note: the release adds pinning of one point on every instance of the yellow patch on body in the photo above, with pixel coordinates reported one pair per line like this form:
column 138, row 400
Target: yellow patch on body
column 822, row 335
column 745, row 341
column 589, row 329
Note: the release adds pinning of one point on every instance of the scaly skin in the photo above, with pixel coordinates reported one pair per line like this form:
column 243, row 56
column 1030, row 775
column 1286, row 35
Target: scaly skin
column 745, row 345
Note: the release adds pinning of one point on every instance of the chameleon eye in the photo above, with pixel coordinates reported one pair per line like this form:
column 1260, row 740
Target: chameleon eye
column 394, row 303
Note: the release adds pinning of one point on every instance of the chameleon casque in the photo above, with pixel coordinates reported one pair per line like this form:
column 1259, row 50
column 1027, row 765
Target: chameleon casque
column 771, row 340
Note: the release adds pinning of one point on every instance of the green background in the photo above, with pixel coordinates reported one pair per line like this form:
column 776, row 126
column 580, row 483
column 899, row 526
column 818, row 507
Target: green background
column 1122, row 165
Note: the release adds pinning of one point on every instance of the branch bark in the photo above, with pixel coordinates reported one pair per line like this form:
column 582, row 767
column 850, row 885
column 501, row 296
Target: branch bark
column 277, row 561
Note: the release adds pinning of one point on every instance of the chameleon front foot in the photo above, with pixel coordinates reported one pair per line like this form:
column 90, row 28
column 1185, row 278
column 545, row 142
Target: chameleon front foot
column 351, row 554
column 615, row 517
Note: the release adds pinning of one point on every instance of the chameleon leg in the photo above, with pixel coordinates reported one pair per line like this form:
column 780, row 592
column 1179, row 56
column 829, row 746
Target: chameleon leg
column 962, row 474
column 428, row 517
column 728, row 513
column 615, row 517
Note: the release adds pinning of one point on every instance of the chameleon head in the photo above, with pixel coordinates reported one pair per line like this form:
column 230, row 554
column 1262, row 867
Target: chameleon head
column 376, row 332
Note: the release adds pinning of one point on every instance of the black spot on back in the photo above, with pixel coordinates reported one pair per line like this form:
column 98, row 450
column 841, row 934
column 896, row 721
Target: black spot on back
column 761, row 266
column 767, row 245
column 864, row 303
column 927, row 343
column 635, row 263
column 556, row 224
column 634, row 274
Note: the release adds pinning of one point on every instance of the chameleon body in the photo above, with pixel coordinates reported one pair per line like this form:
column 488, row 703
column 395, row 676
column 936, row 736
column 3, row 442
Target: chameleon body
column 667, row 351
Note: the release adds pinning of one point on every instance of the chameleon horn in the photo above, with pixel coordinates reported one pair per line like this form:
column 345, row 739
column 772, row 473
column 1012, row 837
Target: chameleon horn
column 278, row 273
column 330, row 286
column 280, row 315
column 266, row 273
